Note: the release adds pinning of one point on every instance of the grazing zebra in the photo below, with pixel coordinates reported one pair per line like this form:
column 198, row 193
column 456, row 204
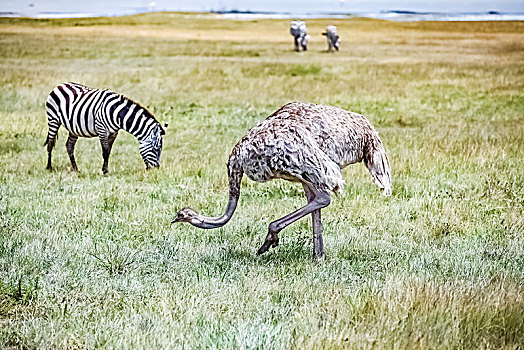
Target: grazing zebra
column 332, row 38
column 87, row 112
column 299, row 31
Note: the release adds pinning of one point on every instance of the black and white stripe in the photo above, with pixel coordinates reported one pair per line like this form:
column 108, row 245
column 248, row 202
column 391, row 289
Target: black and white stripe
column 299, row 31
column 88, row 112
column 332, row 38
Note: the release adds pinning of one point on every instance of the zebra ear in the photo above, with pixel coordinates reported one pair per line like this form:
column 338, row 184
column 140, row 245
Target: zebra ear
column 162, row 129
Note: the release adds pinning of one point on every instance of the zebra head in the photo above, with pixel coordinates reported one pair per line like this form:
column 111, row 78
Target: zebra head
column 151, row 147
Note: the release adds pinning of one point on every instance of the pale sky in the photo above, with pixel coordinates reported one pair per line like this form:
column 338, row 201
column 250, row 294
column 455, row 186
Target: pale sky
column 268, row 5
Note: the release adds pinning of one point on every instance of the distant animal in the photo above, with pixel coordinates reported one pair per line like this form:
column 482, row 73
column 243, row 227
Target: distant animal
column 332, row 38
column 306, row 143
column 299, row 31
column 88, row 112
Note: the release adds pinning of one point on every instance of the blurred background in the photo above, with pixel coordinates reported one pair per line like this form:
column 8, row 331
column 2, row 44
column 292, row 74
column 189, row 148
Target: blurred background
column 403, row 10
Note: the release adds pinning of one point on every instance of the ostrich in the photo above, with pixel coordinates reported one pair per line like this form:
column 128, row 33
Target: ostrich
column 332, row 38
column 306, row 143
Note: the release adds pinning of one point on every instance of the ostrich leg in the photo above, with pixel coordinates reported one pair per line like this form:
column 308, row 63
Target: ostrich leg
column 320, row 200
column 318, row 241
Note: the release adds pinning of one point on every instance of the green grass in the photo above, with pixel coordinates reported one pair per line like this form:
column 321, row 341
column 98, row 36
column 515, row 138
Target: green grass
column 91, row 261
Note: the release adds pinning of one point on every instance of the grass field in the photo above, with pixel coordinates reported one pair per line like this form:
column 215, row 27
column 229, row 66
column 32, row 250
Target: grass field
column 91, row 261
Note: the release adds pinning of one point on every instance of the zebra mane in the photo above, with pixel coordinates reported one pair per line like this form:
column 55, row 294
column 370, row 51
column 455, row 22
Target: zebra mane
column 146, row 113
column 138, row 107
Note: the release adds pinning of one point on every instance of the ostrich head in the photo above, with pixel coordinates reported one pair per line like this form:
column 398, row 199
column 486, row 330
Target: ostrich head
column 188, row 215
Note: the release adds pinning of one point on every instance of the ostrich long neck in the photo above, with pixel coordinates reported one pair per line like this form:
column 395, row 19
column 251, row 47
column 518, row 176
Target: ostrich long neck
column 235, row 178
column 208, row 222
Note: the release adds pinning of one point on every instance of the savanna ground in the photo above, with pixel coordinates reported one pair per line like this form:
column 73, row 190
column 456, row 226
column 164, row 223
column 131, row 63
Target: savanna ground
column 92, row 261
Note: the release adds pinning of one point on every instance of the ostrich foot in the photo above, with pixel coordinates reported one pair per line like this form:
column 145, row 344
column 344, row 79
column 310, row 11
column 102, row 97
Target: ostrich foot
column 271, row 241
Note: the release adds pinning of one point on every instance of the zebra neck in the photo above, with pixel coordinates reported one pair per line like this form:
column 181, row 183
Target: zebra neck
column 135, row 120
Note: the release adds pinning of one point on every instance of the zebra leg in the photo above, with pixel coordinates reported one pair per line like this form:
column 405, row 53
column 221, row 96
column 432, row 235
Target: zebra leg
column 111, row 139
column 51, row 140
column 104, row 141
column 304, row 43
column 70, row 146
column 296, row 44
column 107, row 143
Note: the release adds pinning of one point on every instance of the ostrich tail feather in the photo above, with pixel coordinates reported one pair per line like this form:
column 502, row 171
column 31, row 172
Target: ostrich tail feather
column 378, row 165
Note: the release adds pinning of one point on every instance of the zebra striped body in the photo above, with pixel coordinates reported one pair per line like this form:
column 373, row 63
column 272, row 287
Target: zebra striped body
column 332, row 38
column 299, row 31
column 87, row 112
